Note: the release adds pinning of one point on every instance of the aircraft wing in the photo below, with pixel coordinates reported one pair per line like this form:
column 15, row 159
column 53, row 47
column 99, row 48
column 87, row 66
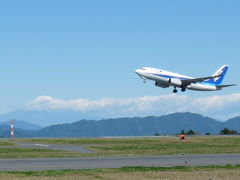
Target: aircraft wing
column 187, row 82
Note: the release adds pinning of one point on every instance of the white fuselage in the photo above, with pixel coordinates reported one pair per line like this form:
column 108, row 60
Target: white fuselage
column 165, row 79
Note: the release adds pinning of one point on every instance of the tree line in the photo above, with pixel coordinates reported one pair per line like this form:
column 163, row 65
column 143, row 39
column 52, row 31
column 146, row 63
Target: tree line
column 224, row 131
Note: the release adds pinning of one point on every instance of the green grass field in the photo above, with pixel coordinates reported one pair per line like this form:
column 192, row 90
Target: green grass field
column 35, row 153
column 153, row 146
column 127, row 146
column 227, row 172
column 6, row 143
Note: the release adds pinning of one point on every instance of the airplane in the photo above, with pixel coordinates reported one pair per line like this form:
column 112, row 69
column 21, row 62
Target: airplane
column 165, row 79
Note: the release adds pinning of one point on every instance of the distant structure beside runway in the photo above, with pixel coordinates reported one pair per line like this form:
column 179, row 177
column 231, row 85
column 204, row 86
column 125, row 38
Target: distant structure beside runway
column 12, row 128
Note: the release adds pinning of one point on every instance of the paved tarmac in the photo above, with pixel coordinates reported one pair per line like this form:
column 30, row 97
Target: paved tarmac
column 117, row 162
column 76, row 148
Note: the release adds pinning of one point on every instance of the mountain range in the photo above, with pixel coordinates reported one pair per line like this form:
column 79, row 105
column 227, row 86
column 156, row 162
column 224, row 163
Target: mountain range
column 22, row 125
column 136, row 126
column 45, row 118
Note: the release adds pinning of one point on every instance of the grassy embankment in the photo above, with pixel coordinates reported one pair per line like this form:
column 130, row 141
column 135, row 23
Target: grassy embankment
column 129, row 146
column 227, row 172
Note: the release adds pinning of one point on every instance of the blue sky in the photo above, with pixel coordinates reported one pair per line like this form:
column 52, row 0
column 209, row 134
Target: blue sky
column 89, row 49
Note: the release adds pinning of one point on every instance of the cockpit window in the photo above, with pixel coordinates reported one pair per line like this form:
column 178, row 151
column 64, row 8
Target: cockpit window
column 142, row 68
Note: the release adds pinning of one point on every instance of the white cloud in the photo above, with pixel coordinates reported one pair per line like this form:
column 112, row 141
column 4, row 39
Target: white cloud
column 218, row 105
column 143, row 106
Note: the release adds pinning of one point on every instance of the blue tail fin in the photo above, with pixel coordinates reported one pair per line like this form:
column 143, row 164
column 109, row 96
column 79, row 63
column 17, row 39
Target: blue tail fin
column 221, row 72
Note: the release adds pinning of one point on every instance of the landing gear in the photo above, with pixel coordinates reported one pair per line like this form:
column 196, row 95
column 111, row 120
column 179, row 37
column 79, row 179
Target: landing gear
column 183, row 89
column 175, row 90
column 144, row 79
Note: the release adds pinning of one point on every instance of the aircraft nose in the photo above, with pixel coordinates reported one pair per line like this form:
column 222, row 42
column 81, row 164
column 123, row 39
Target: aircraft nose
column 138, row 71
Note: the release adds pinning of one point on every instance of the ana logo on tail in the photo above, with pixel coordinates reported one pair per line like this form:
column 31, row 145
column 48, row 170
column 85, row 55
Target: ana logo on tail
column 220, row 74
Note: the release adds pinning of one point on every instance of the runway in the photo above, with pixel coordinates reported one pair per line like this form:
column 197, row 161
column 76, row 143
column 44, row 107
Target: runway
column 117, row 162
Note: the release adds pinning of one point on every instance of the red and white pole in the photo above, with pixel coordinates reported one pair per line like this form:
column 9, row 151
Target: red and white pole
column 12, row 128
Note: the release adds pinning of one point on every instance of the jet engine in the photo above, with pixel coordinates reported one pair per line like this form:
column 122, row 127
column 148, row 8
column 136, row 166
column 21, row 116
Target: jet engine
column 158, row 84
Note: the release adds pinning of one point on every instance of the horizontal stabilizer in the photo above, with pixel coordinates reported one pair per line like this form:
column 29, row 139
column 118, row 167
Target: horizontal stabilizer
column 226, row 85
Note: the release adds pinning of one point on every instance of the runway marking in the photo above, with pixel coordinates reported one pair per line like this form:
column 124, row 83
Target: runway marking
column 41, row 145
